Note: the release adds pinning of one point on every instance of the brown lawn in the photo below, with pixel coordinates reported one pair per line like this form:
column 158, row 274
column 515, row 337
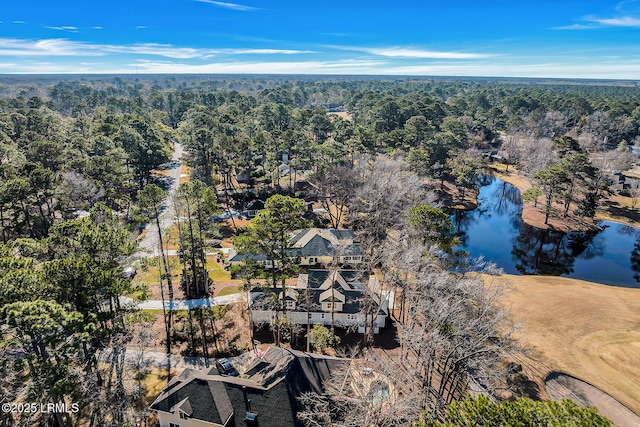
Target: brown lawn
column 587, row 330
column 185, row 173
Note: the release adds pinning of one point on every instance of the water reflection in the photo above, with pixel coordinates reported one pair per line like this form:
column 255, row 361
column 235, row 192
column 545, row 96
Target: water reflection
column 635, row 261
column 547, row 252
column 505, row 198
column 496, row 231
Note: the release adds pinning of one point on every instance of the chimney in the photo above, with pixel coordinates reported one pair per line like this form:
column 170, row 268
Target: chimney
column 250, row 418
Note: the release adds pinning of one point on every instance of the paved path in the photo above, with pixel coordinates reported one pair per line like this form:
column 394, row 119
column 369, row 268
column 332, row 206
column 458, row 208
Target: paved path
column 174, row 252
column 184, row 304
column 561, row 386
column 149, row 243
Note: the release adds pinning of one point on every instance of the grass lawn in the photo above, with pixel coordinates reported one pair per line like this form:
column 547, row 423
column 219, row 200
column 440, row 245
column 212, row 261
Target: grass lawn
column 587, row 330
column 148, row 278
column 153, row 382
column 216, row 271
column 229, row 290
column 170, row 237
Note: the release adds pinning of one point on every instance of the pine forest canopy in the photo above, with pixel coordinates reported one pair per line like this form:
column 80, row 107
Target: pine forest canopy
column 79, row 172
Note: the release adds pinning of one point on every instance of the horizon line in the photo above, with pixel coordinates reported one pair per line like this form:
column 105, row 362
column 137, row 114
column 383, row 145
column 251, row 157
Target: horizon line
column 394, row 76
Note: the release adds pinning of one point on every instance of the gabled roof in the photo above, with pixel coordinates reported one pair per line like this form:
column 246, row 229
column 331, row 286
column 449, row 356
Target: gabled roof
column 345, row 279
column 345, row 286
column 325, row 242
column 269, row 386
column 183, row 406
column 315, row 242
column 197, row 396
column 332, row 295
column 314, row 246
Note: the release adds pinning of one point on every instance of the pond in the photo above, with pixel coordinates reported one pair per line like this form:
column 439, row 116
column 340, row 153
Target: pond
column 496, row 231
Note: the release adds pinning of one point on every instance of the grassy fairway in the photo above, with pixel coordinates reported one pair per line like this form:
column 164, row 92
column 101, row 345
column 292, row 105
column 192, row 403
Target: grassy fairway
column 587, row 330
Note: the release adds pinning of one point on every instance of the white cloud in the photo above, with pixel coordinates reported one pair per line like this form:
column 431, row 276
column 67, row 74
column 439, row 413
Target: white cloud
column 409, row 52
column 541, row 69
column 46, row 47
column 19, row 22
column 50, row 68
column 65, row 47
column 63, row 28
column 576, row 27
column 592, row 22
column 262, row 51
column 623, row 21
column 593, row 70
column 294, row 67
column 170, row 51
column 233, row 6
column 96, row 28
column 628, row 6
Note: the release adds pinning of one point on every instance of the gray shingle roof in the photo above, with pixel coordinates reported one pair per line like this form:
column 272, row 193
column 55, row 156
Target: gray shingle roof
column 271, row 389
column 354, row 294
column 320, row 243
column 207, row 399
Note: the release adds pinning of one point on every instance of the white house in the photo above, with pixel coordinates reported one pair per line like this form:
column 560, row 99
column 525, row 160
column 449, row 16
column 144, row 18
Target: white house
column 326, row 297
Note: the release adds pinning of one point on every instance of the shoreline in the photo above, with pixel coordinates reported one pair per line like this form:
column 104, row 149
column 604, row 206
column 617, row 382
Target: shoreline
column 449, row 195
column 533, row 216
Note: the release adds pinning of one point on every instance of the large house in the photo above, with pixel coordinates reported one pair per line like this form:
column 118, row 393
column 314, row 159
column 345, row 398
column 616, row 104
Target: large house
column 326, row 297
column 262, row 392
column 316, row 246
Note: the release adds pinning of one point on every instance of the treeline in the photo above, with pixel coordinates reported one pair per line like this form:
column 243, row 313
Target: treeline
column 91, row 148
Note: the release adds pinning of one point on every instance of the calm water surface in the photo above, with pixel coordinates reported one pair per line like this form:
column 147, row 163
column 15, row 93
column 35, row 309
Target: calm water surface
column 496, row 231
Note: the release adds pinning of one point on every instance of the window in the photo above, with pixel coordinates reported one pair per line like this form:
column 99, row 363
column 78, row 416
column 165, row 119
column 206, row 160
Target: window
column 174, row 425
column 183, row 416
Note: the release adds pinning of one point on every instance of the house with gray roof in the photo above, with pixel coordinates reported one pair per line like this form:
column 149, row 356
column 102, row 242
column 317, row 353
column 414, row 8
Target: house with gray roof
column 264, row 394
column 316, row 246
column 326, row 296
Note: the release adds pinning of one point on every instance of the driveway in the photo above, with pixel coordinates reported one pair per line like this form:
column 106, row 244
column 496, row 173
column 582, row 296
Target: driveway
column 149, row 243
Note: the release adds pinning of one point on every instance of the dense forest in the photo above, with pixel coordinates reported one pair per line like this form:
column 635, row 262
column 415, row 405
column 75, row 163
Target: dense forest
column 79, row 162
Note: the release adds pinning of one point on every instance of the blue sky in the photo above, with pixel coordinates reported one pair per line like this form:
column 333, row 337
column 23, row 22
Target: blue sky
column 568, row 39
